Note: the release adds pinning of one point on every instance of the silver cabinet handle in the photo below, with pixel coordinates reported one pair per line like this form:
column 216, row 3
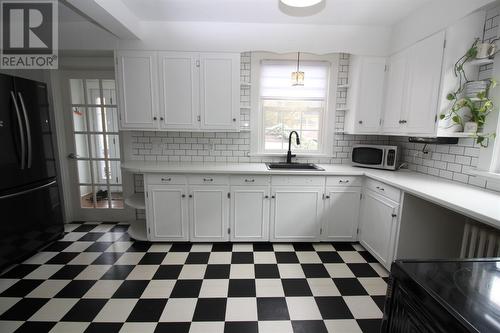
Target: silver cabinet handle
column 166, row 179
column 250, row 180
column 21, row 131
column 208, row 179
column 28, row 129
column 343, row 181
column 28, row 191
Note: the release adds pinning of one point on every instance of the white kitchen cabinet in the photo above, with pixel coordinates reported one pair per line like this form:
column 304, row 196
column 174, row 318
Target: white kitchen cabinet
column 209, row 213
column 250, row 213
column 366, row 94
column 167, row 213
column 340, row 215
column 412, row 88
column 220, row 91
column 179, row 90
column 137, row 80
column 424, row 76
column 377, row 226
column 296, row 213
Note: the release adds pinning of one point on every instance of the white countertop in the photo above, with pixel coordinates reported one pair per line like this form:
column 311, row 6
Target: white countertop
column 479, row 204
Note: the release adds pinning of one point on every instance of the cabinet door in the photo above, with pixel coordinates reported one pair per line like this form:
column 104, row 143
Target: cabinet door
column 167, row 215
column 296, row 213
column 340, row 216
column 370, row 95
column 137, row 78
column 424, row 77
column 395, row 92
column 209, row 213
column 220, row 91
column 377, row 226
column 179, row 90
column 250, row 213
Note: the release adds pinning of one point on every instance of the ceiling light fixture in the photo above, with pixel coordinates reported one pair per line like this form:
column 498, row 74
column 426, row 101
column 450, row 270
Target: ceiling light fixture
column 300, row 3
column 298, row 76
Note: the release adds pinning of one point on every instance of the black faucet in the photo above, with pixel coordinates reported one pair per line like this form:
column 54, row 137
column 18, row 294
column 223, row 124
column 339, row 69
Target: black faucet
column 289, row 153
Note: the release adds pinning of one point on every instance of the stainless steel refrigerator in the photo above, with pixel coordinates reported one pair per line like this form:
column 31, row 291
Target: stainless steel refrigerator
column 30, row 206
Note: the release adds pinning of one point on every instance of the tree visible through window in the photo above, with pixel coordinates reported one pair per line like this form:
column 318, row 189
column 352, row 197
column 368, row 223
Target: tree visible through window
column 287, row 108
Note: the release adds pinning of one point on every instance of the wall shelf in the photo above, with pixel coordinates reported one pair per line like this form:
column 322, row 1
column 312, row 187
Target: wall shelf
column 481, row 62
column 136, row 201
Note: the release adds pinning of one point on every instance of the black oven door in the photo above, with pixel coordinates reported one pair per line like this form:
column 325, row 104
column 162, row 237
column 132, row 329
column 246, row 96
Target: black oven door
column 368, row 156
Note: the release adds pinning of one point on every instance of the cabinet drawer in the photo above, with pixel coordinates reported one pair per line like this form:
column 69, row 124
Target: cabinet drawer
column 208, row 179
column 250, row 180
column 298, row 180
column 343, row 181
column 383, row 189
column 165, row 179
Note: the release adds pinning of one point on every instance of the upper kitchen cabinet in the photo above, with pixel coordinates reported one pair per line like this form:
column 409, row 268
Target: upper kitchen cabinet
column 179, row 90
column 412, row 90
column 365, row 98
column 182, row 91
column 220, row 91
column 137, row 78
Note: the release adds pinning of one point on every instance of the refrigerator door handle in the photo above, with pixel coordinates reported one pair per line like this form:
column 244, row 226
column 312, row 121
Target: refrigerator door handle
column 21, row 131
column 28, row 191
column 28, row 129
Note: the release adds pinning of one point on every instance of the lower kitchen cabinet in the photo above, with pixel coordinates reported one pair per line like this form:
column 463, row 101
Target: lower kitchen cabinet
column 250, row 213
column 296, row 213
column 377, row 226
column 167, row 213
column 209, row 213
column 340, row 215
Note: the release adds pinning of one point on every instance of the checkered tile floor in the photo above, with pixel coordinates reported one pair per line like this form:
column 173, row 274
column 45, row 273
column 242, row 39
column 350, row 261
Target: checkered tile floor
column 96, row 279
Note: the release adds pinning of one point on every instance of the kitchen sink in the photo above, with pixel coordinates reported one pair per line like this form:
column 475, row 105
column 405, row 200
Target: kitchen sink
column 294, row 166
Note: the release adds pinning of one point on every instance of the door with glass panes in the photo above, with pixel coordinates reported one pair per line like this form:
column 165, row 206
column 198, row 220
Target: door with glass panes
column 93, row 146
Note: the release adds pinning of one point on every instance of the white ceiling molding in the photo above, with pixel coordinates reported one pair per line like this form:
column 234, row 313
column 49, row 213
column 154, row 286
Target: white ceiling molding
column 112, row 15
column 429, row 19
column 281, row 38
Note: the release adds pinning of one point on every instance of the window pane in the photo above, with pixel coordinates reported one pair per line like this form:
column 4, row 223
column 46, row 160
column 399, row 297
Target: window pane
column 113, row 146
column 115, row 174
column 76, row 90
column 84, row 172
column 93, row 92
column 100, row 172
column 86, row 197
column 95, row 119
column 116, row 197
column 97, row 141
column 308, row 141
column 310, row 120
column 109, row 92
column 82, row 148
column 111, row 116
column 79, row 119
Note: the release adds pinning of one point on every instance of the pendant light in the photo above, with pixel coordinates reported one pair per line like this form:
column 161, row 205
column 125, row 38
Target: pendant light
column 298, row 76
column 300, row 3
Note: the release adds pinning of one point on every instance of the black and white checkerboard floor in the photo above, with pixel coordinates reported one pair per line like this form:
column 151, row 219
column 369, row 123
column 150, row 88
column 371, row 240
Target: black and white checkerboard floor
column 96, row 279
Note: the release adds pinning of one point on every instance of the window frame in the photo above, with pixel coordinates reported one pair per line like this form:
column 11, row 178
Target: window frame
column 327, row 129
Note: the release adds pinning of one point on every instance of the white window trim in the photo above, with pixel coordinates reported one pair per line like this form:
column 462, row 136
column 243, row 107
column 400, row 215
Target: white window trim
column 256, row 119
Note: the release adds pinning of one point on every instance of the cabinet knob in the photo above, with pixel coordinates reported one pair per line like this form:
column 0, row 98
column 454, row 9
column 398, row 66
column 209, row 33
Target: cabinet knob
column 166, row 179
column 328, row 197
column 161, row 118
column 154, row 118
column 183, row 196
column 266, row 197
column 273, row 196
column 234, row 119
column 190, row 195
column 250, row 180
column 393, row 215
column 360, row 122
column 344, row 181
column 380, row 188
column 208, row 179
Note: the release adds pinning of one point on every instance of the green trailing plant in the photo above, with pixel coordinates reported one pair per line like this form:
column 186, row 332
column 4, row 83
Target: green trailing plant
column 479, row 107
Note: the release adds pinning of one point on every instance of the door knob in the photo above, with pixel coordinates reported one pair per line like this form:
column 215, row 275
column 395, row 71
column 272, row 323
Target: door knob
column 73, row 156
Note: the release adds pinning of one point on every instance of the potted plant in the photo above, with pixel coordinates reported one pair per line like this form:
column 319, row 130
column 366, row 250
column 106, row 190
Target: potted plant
column 473, row 105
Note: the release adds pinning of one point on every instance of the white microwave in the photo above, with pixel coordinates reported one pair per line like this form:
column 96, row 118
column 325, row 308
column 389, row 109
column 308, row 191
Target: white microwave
column 374, row 156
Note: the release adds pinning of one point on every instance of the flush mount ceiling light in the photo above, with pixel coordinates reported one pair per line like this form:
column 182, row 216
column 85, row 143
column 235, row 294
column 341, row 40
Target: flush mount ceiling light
column 300, row 3
column 298, row 76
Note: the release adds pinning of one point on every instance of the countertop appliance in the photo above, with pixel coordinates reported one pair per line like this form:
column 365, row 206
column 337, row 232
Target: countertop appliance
column 443, row 296
column 29, row 195
column 375, row 156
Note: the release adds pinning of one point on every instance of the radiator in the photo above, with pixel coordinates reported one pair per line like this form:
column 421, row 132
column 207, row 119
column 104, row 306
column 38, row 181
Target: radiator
column 480, row 241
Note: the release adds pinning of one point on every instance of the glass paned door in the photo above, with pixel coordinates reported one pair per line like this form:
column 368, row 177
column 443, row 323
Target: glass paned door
column 97, row 146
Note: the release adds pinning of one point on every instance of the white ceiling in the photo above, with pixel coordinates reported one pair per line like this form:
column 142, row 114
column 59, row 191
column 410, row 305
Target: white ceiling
column 68, row 15
column 336, row 12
